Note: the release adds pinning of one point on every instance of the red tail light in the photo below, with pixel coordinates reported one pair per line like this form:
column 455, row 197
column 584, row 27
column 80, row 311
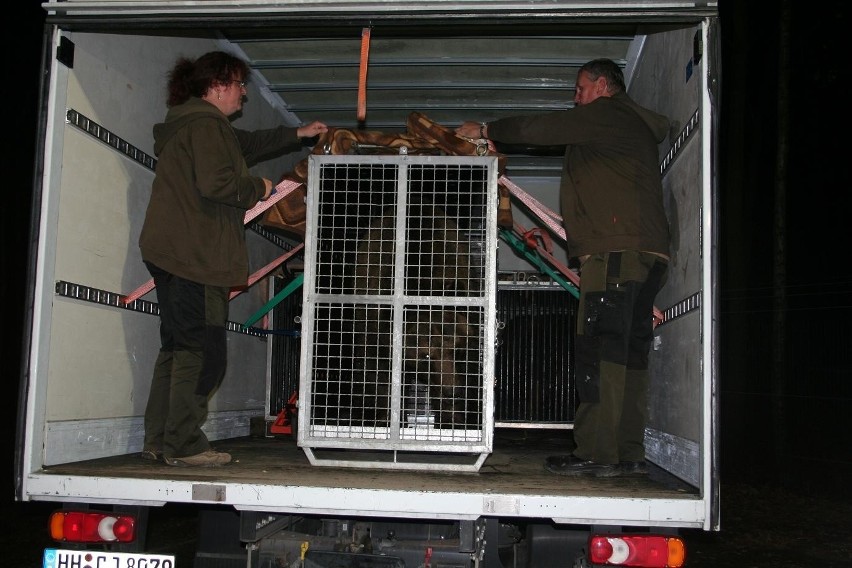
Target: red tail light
column 645, row 551
column 92, row 526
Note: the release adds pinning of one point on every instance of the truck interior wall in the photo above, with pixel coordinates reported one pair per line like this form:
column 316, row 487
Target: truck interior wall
column 678, row 381
column 95, row 240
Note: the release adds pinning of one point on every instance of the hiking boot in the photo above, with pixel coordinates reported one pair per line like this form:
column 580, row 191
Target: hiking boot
column 209, row 458
column 633, row 467
column 151, row 455
column 576, row 466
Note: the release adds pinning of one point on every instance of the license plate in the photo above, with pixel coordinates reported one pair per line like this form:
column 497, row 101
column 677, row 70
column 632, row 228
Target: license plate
column 59, row 558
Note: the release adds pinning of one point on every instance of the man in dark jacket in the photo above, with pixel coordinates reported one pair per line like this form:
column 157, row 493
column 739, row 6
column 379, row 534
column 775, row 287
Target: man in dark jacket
column 612, row 205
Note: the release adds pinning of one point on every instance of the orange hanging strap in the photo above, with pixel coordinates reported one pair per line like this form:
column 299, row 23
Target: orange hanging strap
column 362, row 75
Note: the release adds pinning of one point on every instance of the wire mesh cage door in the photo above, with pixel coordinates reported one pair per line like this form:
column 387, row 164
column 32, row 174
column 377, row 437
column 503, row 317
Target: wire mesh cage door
column 398, row 327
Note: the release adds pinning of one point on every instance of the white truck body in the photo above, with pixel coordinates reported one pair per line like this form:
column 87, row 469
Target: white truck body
column 89, row 358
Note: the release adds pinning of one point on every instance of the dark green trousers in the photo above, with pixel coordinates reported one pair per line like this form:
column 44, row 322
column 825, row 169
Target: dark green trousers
column 614, row 334
column 190, row 365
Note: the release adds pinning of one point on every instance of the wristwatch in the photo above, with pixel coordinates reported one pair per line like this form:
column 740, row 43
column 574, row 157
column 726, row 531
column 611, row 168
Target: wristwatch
column 482, row 126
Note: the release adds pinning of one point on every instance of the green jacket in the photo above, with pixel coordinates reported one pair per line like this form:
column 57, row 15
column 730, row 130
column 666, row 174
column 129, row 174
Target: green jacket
column 611, row 192
column 202, row 189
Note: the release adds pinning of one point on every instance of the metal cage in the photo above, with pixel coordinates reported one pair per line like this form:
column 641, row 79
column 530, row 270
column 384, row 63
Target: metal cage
column 398, row 328
column 534, row 375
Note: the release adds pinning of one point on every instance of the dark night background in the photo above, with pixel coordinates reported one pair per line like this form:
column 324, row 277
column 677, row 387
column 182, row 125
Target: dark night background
column 784, row 231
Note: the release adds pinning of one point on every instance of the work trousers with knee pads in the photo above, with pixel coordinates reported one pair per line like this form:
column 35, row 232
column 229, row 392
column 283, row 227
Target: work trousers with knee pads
column 190, row 365
column 613, row 338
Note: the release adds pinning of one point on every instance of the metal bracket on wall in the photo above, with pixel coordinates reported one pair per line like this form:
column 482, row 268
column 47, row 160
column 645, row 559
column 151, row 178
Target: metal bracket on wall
column 681, row 308
column 95, row 130
column 115, row 300
column 679, row 143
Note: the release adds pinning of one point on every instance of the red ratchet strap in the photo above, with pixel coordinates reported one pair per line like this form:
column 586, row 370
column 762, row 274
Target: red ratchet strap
column 536, row 235
column 544, row 246
column 553, row 221
column 282, row 190
column 362, row 75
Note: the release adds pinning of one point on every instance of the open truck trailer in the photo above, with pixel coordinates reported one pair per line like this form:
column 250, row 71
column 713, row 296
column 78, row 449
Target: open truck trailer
column 316, row 480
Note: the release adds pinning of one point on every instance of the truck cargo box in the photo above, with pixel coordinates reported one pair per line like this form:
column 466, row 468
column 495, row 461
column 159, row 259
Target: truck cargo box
column 89, row 352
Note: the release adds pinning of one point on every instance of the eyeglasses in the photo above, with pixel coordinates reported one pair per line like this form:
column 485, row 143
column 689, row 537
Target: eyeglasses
column 242, row 84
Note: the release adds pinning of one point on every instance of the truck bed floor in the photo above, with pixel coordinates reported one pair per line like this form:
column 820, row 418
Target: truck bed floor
column 516, row 466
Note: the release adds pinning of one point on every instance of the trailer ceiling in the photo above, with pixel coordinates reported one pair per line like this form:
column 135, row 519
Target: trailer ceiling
column 465, row 60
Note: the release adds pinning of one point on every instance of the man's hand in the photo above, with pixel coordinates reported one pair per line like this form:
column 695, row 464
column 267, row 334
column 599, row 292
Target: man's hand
column 310, row 130
column 469, row 129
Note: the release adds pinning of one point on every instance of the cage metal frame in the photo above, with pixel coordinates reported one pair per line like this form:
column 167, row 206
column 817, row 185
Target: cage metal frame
column 402, row 445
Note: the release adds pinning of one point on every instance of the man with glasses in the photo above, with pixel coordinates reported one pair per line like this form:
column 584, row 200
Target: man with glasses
column 193, row 243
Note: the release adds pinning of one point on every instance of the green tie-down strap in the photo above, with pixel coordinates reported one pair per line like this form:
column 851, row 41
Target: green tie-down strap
column 534, row 258
column 288, row 289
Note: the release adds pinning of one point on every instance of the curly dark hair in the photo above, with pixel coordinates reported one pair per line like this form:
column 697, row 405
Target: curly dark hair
column 190, row 78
